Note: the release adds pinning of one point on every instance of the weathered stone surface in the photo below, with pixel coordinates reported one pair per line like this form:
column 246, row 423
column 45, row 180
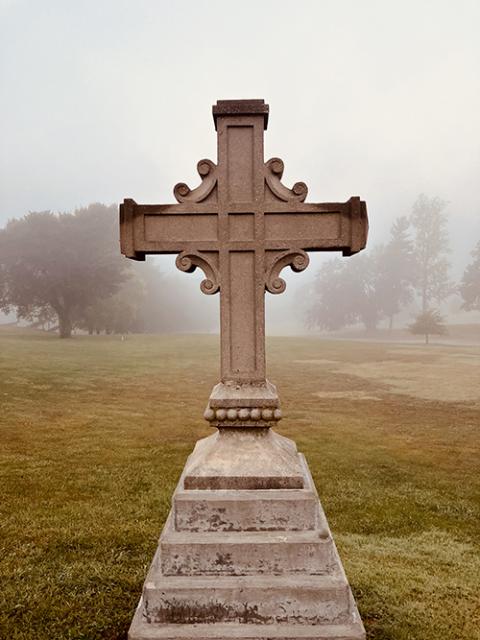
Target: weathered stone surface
column 248, row 599
column 240, row 553
column 246, row 552
column 237, row 511
column 263, row 541
column 274, row 578
column 202, row 595
column 245, row 510
column 244, row 459
column 240, row 108
column 234, row 404
column 142, row 630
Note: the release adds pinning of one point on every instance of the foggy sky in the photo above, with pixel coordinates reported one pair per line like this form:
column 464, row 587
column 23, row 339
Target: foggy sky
column 108, row 99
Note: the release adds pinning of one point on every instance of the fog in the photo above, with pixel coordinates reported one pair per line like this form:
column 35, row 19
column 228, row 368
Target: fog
column 110, row 99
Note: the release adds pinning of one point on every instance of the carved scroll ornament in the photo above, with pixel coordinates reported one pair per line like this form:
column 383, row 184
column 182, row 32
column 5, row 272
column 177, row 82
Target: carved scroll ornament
column 273, row 176
column 189, row 261
column 207, row 170
column 297, row 259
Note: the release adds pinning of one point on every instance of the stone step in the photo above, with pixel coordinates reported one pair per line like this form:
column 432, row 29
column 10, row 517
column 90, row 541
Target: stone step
column 269, row 510
column 145, row 631
column 142, row 630
column 239, row 553
column 302, row 600
column 260, row 510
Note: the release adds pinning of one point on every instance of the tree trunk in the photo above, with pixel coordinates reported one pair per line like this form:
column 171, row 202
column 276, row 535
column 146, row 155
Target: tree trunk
column 64, row 325
column 426, row 338
column 390, row 323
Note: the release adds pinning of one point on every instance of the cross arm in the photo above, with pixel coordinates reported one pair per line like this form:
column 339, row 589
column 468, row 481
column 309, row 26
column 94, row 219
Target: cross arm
column 291, row 231
column 167, row 228
column 325, row 226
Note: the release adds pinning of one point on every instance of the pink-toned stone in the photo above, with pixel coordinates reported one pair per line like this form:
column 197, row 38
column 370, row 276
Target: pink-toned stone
column 244, row 459
column 246, row 552
column 242, row 226
column 220, row 584
column 245, row 510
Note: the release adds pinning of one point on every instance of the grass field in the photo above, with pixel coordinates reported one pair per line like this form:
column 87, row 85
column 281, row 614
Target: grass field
column 95, row 431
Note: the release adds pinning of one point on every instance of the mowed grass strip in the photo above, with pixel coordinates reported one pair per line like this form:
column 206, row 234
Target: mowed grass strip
column 95, row 432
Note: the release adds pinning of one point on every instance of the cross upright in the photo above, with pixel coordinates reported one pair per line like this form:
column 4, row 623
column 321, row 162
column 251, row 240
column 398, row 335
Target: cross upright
column 242, row 226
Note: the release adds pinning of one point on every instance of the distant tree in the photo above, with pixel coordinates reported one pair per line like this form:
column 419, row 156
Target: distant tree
column 345, row 292
column 431, row 246
column 173, row 302
column 470, row 285
column 3, row 282
column 61, row 263
column 161, row 304
column 428, row 323
column 117, row 313
column 331, row 309
column 395, row 270
column 43, row 318
column 362, row 274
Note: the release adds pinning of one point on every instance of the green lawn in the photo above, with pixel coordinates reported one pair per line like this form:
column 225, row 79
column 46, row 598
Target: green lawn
column 95, row 431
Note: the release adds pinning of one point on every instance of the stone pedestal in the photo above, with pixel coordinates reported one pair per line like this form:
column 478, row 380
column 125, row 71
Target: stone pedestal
column 240, row 560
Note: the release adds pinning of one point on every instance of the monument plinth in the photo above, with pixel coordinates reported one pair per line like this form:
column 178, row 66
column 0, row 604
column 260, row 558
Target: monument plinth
column 246, row 551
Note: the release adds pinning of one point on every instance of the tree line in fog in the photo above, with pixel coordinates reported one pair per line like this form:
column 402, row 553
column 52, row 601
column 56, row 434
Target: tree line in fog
column 64, row 272
column 410, row 270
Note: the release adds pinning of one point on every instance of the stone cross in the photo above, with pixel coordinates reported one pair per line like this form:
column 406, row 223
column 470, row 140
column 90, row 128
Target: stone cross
column 246, row 551
column 242, row 226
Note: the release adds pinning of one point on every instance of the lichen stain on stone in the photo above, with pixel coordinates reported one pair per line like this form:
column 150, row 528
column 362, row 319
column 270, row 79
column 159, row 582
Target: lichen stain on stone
column 180, row 612
column 215, row 522
column 224, row 560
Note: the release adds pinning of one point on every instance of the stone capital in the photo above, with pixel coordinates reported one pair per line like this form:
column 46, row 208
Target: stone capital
column 237, row 404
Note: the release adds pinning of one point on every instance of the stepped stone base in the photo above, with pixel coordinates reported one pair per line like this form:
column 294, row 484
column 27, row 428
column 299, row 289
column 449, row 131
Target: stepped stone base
column 248, row 564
